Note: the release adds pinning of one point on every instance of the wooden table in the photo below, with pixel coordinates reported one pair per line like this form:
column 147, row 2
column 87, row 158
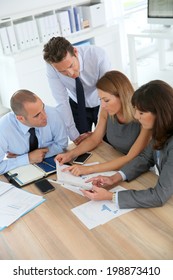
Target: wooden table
column 52, row 231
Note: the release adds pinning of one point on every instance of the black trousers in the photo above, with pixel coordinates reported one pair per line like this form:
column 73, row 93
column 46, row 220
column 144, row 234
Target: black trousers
column 92, row 115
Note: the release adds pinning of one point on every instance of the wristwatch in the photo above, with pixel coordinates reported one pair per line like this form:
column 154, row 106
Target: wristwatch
column 114, row 197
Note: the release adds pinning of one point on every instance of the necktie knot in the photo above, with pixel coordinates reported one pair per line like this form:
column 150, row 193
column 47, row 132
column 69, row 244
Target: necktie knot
column 31, row 130
column 33, row 141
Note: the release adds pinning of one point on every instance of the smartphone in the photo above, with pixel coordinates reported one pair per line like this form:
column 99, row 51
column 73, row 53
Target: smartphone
column 82, row 158
column 44, row 186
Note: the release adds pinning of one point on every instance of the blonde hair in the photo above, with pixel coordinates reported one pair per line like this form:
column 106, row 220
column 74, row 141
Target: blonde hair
column 117, row 84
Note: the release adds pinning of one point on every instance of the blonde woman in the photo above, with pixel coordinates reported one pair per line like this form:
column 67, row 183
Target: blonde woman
column 116, row 121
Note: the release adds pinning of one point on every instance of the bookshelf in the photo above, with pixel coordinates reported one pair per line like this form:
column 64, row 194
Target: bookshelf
column 22, row 60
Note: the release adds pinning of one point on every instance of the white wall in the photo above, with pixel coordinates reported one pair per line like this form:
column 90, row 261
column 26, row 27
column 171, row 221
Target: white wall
column 27, row 68
column 12, row 7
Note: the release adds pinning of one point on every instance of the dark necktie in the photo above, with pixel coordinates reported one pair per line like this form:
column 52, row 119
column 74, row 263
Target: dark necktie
column 33, row 141
column 83, row 126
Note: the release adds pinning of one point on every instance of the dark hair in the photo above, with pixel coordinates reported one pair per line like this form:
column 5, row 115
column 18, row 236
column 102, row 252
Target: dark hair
column 56, row 49
column 157, row 97
column 19, row 98
column 117, row 84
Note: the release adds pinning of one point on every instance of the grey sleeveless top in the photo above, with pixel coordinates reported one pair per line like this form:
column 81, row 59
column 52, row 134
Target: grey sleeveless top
column 122, row 136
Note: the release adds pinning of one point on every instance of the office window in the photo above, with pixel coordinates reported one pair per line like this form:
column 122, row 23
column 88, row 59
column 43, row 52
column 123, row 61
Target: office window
column 120, row 8
column 131, row 5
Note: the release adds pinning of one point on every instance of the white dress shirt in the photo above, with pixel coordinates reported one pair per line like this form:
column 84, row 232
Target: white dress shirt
column 93, row 64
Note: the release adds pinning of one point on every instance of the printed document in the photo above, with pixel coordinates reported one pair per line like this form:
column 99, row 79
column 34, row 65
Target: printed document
column 15, row 202
column 75, row 183
column 95, row 213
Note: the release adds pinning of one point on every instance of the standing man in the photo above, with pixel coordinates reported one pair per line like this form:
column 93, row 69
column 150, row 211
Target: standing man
column 30, row 133
column 72, row 75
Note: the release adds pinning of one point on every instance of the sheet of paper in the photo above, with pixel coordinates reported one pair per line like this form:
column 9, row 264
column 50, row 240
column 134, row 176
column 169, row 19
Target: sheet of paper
column 74, row 189
column 15, row 202
column 4, row 187
column 78, row 181
column 95, row 213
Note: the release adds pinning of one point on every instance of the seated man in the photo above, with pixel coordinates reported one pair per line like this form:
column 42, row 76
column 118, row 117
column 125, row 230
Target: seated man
column 18, row 146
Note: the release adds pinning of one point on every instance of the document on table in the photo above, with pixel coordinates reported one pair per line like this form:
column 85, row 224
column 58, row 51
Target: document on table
column 75, row 183
column 95, row 213
column 14, row 203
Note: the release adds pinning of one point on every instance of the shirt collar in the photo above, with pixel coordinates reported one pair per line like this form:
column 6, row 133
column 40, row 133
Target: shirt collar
column 81, row 64
column 24, row 128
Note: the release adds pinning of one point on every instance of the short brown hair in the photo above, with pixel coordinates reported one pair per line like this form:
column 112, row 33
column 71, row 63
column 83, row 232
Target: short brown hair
column 56, row 49
column 19, row 98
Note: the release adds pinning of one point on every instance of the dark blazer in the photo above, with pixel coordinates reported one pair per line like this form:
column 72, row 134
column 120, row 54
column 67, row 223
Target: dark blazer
column 162, row 191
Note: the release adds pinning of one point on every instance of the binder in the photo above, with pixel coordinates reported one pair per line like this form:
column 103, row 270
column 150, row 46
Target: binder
column 77, row 18
column 32, row 33
column 42, row 28
column 36, row 40
column 12, row 38
column 71, row 19
column 27, row 41
column 64, row 22
column 21, row 35
column 52, row 26
column 5, row 40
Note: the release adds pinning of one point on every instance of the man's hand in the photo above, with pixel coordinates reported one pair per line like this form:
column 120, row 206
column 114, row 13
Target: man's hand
column 83, row 136
column 11, row 155
column 37, row 155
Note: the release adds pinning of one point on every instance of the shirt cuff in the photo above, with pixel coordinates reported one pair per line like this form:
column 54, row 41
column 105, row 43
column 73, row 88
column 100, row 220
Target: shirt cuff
column 122, row 175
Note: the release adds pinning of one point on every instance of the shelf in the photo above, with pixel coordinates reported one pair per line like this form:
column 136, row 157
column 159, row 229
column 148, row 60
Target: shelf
column 30, row 29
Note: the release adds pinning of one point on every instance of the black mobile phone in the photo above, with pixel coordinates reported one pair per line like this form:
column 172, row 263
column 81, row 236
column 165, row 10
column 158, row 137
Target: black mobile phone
column 44, row 186
column 82, row 158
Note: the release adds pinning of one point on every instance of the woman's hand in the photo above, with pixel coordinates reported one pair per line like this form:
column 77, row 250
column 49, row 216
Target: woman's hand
column 100, row 181
column 77, row 170
column 64, row 157
column 82, row 137
column 98, row 194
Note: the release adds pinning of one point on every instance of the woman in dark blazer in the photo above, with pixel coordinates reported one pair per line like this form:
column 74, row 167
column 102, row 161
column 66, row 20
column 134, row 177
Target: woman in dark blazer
column 153, row 103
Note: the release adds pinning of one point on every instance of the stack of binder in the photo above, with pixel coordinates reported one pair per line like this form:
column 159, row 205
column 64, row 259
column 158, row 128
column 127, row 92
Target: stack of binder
column 65, row 22
column 26, row 33
column 29, row 31
column 48, row 26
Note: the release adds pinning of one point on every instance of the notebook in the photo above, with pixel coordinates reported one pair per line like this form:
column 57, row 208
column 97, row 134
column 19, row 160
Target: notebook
column 30, row 173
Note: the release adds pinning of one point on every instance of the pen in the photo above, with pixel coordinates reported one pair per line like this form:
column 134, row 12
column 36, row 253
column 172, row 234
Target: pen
column 14, row 175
